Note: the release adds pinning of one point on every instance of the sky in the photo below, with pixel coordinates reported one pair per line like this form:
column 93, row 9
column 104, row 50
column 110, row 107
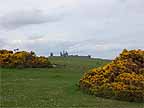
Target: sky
column 101, row 28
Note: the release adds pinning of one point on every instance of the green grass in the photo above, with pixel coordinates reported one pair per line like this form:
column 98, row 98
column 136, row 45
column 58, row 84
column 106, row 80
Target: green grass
column 53, row 88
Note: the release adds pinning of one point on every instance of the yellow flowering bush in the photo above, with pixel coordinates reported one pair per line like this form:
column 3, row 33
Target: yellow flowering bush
column 123, row 78
column 22, row 59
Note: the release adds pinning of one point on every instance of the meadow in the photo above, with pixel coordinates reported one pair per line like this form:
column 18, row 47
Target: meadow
column 53, row 87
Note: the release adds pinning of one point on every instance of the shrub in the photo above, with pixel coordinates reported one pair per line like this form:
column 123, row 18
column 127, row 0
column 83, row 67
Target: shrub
column 122, row 79
column 22, row 59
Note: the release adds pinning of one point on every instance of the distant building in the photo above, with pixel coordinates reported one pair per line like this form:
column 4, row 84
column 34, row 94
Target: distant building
column 77, row 56
column 51, row 54
column 65, row 54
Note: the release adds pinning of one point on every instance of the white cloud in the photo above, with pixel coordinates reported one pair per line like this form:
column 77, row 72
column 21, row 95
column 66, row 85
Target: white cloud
column 101, row 28
column 24, row 18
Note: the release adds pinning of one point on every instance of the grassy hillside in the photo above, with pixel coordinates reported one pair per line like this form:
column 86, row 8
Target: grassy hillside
column 55, row 87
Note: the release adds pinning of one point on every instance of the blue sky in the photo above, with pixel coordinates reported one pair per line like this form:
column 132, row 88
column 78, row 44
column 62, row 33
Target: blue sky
column 101, row 28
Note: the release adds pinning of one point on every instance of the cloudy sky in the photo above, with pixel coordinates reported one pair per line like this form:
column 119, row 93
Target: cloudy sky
column 101, row 28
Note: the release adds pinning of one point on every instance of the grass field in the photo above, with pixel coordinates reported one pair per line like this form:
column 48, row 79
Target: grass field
column 54, row 87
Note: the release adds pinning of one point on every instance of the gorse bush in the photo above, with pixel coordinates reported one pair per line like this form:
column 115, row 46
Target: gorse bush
column 22, row 59
column 122, row 79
